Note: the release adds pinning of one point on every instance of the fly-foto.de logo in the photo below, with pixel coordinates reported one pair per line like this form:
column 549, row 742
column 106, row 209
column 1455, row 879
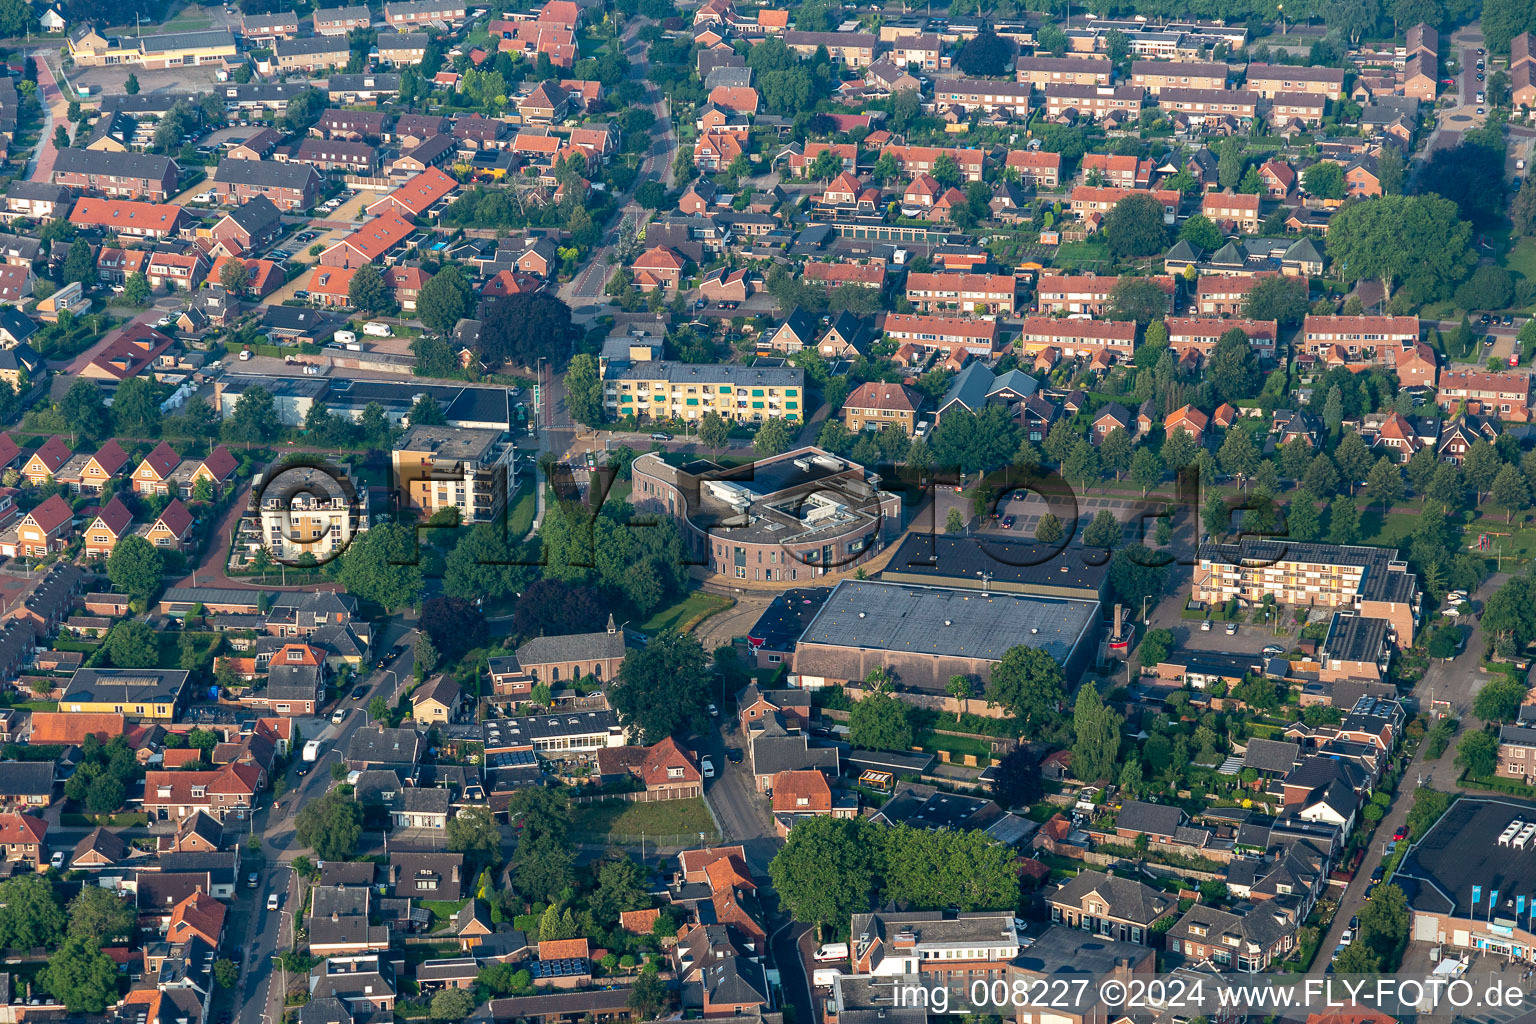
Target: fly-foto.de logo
column 307, row 511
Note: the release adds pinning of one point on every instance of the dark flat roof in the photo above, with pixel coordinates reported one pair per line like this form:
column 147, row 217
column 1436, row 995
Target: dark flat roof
column 938, row 558
column 1461, row 850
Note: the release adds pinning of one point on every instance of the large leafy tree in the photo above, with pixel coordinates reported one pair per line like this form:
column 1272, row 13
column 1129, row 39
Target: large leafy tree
column 1137, row 298
column 30, row 915
column 99, row 914
column 986, row 54
column 824, row 874
column 1471, row 175
column 330, row 825
column 1134, row 227
column 131, row 644
column 881, row 721
column 453, row 624
column 369, row 292
column 85, row 411
column 445, row 300
column 382, row 565
column 555, row 607
column 1234, row 367
column 136, row 408
column 543, row 861
column 474, row 832
column 486, row 564
column 1029, row 683
column 81, row 976
column 1096, row 736
column 254, row 420
column 1418, row 242
column 1277, row 298
column 584, row 390
column 1478, row 754
column 520, row 329
column 662, row 688
column 134, row 568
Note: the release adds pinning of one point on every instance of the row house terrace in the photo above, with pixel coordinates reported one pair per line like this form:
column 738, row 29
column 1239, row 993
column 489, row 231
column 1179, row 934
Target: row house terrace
column 970, row 293
column 1042, row 72
column 1225, row 295
column 1035, row 167
column 1297, row 108
column 912, row 160
column 982, row 94
column 1199, row 335
column 1157, row 75
column 947, row 335
column 1271, row 80
column 1085, row 200
column 1366, row 341
column 1116, row 171
column 1199, row 104
column 1084, row 294
column 1506, row 396
column 1076, row 338
column 1093, row 102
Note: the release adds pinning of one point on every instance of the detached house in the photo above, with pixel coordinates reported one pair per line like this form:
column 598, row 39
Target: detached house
column 153, row 474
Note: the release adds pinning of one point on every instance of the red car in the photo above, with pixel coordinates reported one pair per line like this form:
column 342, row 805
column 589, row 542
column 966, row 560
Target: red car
column 1401, row 833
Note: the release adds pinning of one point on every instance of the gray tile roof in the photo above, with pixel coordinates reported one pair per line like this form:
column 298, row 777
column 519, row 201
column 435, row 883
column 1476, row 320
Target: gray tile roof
column 1153, row 819
column 1125, row 898
column 545, row 650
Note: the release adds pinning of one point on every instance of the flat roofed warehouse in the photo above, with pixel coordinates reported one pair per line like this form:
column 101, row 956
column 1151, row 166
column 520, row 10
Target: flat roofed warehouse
column 1013, row 566
column 927, row 634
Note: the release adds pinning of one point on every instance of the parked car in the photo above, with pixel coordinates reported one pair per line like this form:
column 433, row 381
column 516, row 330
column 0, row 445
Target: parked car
column 1378, row 872
column 1007, row 522
column 1401, row 833
column 252, row 879
column 1231, row 629
column 714, row 712
column 707, row 768
column 57, row 860
column 1274, row 650
column 1205, row 625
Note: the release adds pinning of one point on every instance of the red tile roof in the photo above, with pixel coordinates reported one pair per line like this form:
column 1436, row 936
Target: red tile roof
column 51, row 728
column 220, row 463
column 52, row 514
column 115, row 516
column 175, row 518
column 421, row 192
column 379, row 235
column 163, row 460
column 110, row 456
column 135, row 348
column 789, row 788
column 199, row 914
column 119, row 214
column 21, row 828
column 53, row 453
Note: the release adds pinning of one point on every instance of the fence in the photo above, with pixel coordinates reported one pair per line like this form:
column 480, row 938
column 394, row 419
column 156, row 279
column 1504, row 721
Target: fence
column 645, row 796
column 663, row 841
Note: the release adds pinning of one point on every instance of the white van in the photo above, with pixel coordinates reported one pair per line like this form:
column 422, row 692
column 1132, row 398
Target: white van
column 823, row 977
column 831, row 951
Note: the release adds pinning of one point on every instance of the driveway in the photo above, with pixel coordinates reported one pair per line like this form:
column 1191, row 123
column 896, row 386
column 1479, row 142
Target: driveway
column 1458, row 682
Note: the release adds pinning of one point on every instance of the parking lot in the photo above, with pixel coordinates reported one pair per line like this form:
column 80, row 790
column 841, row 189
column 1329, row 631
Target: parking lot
column 111, row 80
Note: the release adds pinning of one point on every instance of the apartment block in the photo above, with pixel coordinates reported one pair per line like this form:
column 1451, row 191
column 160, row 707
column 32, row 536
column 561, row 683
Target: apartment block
column 662, row 389
column 451, row 467
column 1040, row 72
column 1156, row 75
column 1373, row 582
column 1271, row 80
column 969, row 293
column 1092, row 102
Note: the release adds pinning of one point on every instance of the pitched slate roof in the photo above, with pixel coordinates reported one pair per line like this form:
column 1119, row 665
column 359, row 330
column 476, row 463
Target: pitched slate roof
column 1126, row 898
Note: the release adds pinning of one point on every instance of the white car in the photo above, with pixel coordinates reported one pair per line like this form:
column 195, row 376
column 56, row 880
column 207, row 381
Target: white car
column 1231, row 629
column 714, row 712
column 272, row 901
column 1205, row 625
column 707, row 768
column 57, row 860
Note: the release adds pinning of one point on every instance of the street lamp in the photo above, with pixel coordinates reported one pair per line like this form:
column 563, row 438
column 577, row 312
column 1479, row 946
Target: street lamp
column 1280, row 8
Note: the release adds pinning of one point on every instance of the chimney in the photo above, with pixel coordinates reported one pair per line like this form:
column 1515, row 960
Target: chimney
column 335, row 917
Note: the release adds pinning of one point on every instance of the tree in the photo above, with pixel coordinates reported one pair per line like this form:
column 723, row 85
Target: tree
column 1016, row 779
column 1510, row 492
column 136, row 289
column 1230, row 164
column 1384, row 922
column 1277, row 298
column 330, row 825
column 1134, row 227
column 662, row 687
column 81, row 977
column 1478, row 754
column 235, row 277
column 30, row 916
column 475, row 833
column 1357, row 958
column 445, row 300
column 136, row 408
column 543, row 860
column 99, row 915
column 1104, row 531
column 1324, row 179
column 1137, row 575
column 1385, row 483
column 773, row 437
column 824, row 874
column 1029, row 682
column 1499, row 700
column 985, row 54
column 84, row 410
column 880, row 721
column 1471, row 175
column 426, row 655
column 1116, row 450
column 1418, row 242
column 1155, row 645
column 1146, row 470
column 452, row 1004
column 1049, row 530
column 1488, row 288
column 520, row 329
column 378, row 708
column 105, row 795
column 1353, row 457
column 134, row 567
column 1389, row 165
column 131, row 644
column 1343, row 521
column 226, row 973
column 584, row 389
column 714, row 432
column 1234, row 367
column 648, row 997
column 254, row 420
column 131, row 86
column 1051, row 37
column 1137, row 298
column 1201, row 232
column 1096, row 732
column 369, row 292
column 382, row 565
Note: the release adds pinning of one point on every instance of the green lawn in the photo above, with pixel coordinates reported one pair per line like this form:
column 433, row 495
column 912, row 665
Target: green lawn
column 520, row 515
column 1395, row 530
column 668, row 817
column 685, row 614
column 442, row 912
column 1522, row 258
